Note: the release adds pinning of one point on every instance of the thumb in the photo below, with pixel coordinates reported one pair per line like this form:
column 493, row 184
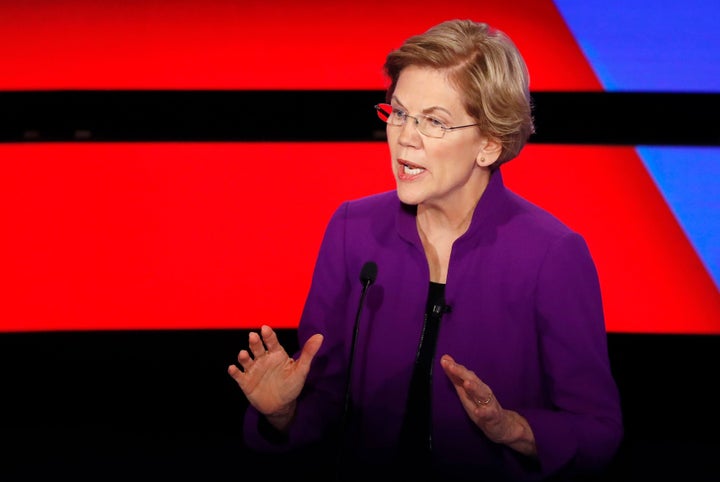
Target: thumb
column 309, row 351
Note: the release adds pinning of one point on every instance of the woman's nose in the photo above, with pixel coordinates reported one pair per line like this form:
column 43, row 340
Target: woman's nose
column 409, row 133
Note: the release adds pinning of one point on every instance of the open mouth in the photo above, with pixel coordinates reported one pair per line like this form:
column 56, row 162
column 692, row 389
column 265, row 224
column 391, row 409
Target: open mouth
column 410, row 169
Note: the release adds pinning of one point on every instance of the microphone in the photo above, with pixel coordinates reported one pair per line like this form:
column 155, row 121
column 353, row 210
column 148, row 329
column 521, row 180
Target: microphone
column 368, row 274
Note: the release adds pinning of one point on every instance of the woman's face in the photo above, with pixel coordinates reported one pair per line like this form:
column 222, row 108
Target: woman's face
column 443, row 172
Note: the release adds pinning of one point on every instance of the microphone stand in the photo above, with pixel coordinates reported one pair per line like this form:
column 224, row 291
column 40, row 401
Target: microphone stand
column 367, row 277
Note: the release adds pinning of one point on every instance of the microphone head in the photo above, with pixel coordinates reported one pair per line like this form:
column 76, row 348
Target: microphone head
column 368, row 273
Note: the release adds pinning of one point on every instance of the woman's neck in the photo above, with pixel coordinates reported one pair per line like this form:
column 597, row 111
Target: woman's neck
column 438, row 232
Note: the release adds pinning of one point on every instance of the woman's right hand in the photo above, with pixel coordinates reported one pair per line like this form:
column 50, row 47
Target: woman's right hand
column 270, row 378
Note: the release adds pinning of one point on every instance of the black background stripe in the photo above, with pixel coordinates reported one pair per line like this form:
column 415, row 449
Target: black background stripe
column 561, row 117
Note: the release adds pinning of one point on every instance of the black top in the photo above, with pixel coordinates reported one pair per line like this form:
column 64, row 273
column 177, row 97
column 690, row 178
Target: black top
column 415, row 437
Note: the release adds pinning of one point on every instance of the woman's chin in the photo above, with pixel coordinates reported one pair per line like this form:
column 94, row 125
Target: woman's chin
column 410, row 198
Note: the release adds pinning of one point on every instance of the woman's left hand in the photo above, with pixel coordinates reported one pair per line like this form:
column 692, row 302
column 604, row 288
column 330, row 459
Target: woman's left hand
column 499, row 425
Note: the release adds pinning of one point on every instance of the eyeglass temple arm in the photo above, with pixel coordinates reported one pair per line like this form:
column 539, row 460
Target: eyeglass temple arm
column 381, row 109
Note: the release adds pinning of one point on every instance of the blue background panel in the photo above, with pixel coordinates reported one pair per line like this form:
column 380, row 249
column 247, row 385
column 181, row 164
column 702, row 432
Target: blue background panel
column 649, row 45
column 689, row 179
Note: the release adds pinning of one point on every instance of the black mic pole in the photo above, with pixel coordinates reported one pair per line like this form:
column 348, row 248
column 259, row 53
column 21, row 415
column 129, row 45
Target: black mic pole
column 368, row 273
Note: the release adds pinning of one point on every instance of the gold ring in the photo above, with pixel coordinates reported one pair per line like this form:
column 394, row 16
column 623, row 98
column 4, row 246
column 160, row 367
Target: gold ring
column 484, row 402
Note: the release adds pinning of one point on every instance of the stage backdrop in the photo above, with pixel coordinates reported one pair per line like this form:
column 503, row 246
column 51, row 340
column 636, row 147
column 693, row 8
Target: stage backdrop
column 131, row 213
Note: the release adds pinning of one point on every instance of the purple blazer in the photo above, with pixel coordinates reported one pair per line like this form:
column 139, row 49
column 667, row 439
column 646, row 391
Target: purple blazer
column 526, row 317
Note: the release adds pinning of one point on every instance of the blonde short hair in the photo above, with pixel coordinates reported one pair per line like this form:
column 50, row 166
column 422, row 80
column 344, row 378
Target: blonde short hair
column 486, row 68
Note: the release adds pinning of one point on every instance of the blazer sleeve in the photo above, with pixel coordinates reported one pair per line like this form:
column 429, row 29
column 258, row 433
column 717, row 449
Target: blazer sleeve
column 583, row 430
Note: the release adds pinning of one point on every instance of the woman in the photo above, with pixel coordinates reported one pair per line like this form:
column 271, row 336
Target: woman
column 481, row 349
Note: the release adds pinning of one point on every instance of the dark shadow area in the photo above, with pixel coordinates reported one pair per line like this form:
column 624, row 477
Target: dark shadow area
column 158, row 405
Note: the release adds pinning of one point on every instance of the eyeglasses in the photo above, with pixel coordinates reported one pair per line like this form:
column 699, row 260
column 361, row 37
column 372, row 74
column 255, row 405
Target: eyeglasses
column 425, row 124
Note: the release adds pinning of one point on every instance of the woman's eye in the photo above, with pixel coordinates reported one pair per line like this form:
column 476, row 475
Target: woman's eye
column 435, row 122
column 400, row 114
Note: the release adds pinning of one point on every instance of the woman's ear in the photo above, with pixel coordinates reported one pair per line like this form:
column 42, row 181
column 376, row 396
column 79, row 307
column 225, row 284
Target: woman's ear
column 489, row 152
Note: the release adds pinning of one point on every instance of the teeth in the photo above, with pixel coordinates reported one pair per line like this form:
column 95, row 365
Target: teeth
column 412, row 171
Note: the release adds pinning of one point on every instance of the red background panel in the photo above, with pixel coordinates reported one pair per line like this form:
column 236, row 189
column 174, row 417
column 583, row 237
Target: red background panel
column 169, row 235
column 231, row 44
column 224, row 235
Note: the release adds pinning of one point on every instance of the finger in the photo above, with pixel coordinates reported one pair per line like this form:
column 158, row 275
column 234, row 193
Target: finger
column 483, row 401
column 244, row 359
column 477, row 395
column 451, row 370
column 270, row 339
column 460, row 371
column 471, row 390
column 460, row 387
column 256, row 345
column 235, row 372
column 309, row 351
